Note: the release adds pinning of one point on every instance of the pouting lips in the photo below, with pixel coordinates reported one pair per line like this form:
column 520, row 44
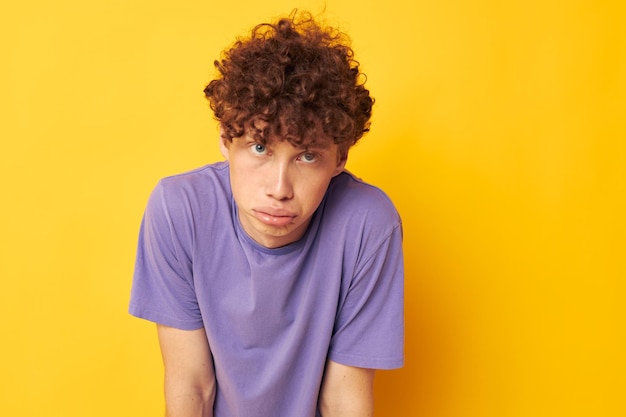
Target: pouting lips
column 274, row 217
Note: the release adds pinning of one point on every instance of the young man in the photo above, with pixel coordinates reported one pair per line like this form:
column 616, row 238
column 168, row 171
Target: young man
column 275, row 277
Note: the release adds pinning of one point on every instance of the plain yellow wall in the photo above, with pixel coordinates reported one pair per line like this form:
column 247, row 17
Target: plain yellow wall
column 498, row 131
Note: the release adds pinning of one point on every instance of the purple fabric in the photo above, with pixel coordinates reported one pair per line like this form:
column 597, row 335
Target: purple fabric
column 273, row 316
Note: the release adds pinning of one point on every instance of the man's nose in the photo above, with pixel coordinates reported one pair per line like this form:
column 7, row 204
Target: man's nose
column 279, row 181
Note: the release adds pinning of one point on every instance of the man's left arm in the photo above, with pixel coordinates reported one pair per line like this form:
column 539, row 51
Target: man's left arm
column 347, row 391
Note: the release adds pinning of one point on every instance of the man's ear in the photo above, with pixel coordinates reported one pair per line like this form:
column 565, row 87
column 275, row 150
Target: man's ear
column 341, row 163
column 224, row 143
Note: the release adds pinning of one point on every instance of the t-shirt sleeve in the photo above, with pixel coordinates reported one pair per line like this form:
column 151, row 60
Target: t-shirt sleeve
column 369, row 328
column 163, row 290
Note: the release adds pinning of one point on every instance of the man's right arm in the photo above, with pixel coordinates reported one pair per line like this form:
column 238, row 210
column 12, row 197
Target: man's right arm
column 189, row 372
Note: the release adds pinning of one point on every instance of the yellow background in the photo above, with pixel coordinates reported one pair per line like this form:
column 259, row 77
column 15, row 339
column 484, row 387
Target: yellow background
column 498, row 131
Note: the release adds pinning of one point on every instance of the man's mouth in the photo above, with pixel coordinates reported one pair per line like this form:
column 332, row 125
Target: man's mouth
column 274, row 217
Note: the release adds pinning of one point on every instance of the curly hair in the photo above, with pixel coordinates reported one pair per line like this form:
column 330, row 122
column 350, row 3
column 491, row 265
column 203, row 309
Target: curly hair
column 288, row 80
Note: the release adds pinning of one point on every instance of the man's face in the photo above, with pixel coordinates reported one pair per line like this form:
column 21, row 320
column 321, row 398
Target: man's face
column 278, row 187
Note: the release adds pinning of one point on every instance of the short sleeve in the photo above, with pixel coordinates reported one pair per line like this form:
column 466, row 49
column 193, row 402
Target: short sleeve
column 369, row 328
column 163, row 290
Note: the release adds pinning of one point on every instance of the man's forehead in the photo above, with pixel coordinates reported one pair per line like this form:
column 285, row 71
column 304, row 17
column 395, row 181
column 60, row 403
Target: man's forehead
column 316, row 140
column 322, row 144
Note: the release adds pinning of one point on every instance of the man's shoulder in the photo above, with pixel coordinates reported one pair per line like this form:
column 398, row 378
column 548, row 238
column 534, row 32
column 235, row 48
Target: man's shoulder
column 212, row 178
column 351, row 194
column 197, row 189
column 198, row 176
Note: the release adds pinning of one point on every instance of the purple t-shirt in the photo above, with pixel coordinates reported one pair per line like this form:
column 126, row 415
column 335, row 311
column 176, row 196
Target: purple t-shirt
column 273, row 316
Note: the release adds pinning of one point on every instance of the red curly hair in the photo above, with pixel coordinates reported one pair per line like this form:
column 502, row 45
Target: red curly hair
column 288, row 80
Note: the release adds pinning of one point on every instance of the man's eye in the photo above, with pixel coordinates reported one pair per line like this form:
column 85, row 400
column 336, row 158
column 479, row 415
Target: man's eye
column 309, row 157
column 259, row 148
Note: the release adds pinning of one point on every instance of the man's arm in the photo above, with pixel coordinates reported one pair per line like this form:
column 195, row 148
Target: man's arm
column 189, row 373
column 347, row 391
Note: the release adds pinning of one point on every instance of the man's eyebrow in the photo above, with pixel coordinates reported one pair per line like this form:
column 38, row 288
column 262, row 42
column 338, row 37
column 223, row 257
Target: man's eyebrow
column 317, row 147
column 258, row 139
